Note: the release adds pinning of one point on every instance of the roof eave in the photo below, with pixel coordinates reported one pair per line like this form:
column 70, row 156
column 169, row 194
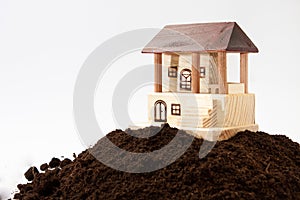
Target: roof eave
column 254, row 50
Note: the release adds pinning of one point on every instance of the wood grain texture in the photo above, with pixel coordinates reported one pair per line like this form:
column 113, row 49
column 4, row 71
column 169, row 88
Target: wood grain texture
column 211, row 120
column 195, row 73
column 197, row 110
column 239, row 110
column 204, row 110
column 218, row 134
column 174, row 60
column 201, row 37
column 209, row 134
column 236, row 88
column 222, row 68
column 244, row 70
column 157, row 72
column 169, row 83
column 213, row 69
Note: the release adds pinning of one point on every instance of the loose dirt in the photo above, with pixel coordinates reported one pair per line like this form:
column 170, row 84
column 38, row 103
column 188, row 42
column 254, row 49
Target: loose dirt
column 247, row 166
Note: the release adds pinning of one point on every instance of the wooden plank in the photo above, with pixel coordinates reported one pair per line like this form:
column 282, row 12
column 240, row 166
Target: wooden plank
column 169, row 83
column 174, row 60
column 195, row 73
column 157, row 72
column 244, row 70
column 228, row 133
column 219, row 134
column 222, row 69
column 236, row 88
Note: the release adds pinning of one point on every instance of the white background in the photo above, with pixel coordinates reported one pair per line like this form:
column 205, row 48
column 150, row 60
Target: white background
column 44, row 43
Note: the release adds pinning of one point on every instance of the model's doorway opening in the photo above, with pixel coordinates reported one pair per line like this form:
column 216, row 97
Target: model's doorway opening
column 160, row 111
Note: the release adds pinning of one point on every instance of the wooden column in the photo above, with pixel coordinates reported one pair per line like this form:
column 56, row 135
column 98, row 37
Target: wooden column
column 195, row 73
column 157, row 72
column 244, row 70
column 222, row 68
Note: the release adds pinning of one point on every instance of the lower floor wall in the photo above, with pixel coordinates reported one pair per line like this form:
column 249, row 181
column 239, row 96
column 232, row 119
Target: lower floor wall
column 187, row 110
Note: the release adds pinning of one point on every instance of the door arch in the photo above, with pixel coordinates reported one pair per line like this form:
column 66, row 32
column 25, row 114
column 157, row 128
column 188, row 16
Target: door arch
column 160, row 111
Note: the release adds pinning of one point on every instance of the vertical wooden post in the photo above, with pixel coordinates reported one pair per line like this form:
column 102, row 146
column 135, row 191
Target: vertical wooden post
column 157, row 72
column 222, row 68
column 195, row 72
column 244, row 70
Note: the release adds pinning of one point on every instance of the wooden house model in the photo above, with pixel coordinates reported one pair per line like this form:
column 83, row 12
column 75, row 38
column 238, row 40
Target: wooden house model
column 191, row 91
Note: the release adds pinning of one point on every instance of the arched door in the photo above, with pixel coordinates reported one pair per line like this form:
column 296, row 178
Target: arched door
column 160, row 111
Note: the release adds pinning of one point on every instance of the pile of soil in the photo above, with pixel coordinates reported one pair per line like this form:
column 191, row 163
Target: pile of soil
column 247, row 166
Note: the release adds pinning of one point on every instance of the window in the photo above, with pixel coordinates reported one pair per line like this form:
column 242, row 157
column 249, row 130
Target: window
column 185, row 79
column 172, row 71
column 175, row 109
column 202, row 72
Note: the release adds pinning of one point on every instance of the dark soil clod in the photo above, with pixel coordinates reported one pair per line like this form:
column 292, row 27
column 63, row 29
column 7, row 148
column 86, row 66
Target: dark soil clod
column 65, row 162
column 44, row 167
column 55, row 162
column 30, row 173
column 247, row 166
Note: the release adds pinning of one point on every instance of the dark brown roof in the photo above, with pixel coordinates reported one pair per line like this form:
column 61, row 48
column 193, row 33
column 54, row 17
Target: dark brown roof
column 201, row 37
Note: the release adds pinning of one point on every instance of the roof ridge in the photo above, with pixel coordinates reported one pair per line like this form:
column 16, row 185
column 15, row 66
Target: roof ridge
column 205, row 23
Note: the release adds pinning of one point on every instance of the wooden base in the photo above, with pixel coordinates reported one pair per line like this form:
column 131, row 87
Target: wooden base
column 219, row 134
column 210, row 134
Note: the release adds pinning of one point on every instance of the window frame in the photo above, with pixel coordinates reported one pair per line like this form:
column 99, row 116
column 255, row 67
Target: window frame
column 186, row 82
column 202, row 72
column 175, row 109
column 172, row 71
column 160, row 119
